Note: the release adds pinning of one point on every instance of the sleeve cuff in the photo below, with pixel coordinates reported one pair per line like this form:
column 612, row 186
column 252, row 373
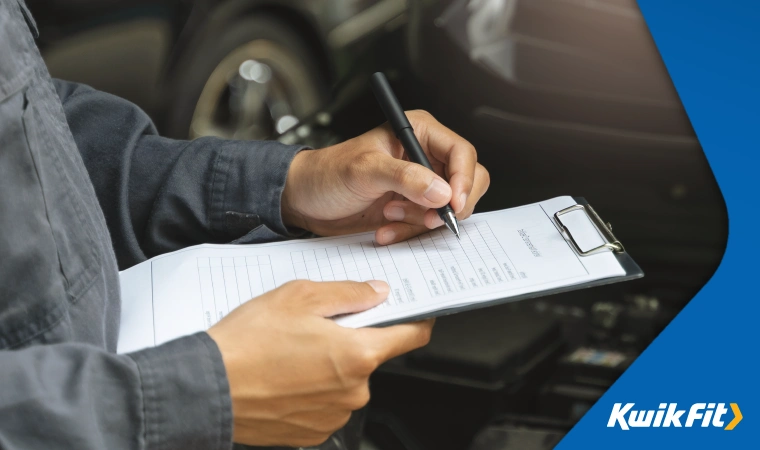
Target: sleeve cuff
column 186, row 396
column 249, row 177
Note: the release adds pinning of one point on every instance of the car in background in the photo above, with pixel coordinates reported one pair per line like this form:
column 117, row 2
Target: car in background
column 572, row 97
column 243, row 69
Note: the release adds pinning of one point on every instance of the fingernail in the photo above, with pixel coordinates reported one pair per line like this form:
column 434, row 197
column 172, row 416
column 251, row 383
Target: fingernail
column 381, row 287
column 395, row 213
column 462, row 201
column 437, row 222
column 438, row 191
column 388, row 236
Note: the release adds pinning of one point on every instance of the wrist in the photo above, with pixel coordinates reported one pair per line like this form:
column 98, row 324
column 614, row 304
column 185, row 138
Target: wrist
column 291, row 216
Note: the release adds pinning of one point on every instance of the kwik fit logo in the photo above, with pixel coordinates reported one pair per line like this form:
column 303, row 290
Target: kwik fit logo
column 669, row 415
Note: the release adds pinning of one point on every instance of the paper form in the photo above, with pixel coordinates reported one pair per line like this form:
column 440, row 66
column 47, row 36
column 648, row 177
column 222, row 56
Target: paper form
column 501, row 254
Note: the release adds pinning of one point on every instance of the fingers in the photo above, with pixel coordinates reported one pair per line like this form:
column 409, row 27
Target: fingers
column 382, row 173
column 458, row 155
column 479, row 188
column 328, row 299
column 413, row 214
column 401, row 231
column 379, row 172
column 405, row 211
column 387, row 343
column 409, row 219
column 397, row 232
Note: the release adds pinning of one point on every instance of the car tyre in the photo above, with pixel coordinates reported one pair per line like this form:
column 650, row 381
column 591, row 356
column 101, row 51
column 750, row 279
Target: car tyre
column 196, row 85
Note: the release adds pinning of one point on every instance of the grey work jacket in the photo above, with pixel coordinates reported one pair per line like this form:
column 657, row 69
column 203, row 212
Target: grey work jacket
column 87, row 187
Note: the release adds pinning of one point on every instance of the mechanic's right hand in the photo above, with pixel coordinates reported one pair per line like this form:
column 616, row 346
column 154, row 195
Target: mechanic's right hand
column 295, row 375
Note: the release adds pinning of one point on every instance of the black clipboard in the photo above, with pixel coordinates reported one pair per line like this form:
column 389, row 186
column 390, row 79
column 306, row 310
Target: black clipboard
column 632, row 270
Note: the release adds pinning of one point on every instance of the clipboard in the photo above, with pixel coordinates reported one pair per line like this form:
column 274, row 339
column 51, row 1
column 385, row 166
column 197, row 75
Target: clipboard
column 611, row 244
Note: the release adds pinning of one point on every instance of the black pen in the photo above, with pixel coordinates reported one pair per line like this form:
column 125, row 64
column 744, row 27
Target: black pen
column 405, row 133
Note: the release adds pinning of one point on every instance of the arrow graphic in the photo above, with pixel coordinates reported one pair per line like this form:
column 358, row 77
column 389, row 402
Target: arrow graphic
column 737, row 417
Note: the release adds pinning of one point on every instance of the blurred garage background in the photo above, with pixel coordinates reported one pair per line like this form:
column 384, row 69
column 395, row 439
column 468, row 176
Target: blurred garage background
column 559, row 96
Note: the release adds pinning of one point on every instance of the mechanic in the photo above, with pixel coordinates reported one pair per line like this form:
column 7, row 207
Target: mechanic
column 87, row 187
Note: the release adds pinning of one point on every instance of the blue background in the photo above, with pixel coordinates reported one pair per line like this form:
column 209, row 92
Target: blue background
column 709, row 353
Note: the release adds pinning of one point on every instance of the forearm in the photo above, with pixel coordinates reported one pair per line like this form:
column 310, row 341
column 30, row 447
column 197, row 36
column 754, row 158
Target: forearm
column 212, row 190
column 159, row 194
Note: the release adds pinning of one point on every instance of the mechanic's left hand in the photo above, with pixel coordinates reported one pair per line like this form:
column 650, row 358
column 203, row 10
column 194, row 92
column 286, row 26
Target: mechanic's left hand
column 364, row 184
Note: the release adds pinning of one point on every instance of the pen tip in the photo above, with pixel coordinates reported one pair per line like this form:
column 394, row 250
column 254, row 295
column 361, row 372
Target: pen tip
column 451, row 223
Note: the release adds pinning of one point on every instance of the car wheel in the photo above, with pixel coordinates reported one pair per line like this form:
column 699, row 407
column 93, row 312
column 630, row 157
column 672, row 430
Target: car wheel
column 254, row 81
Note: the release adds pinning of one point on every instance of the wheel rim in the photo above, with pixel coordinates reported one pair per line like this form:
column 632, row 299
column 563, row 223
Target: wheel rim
column 258, row 91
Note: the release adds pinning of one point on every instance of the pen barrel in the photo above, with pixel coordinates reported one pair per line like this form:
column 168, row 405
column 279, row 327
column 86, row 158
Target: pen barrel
column 401, row 126
column 412, row 146
column 444, row 210
column 388, row 102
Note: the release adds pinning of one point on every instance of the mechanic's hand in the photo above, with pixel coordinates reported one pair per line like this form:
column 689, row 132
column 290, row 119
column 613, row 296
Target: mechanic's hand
column 364, row 184
column 294, row 375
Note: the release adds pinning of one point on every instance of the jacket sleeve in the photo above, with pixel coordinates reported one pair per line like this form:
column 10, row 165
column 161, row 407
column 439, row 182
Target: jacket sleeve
column 159, row 194
column 174, row 396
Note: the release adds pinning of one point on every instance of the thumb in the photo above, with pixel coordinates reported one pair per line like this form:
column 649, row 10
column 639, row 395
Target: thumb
column 345, row 297
column 396, row 340
column 415, row 182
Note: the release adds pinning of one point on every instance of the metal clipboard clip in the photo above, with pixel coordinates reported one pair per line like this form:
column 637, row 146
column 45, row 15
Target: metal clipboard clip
column 604, row 229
